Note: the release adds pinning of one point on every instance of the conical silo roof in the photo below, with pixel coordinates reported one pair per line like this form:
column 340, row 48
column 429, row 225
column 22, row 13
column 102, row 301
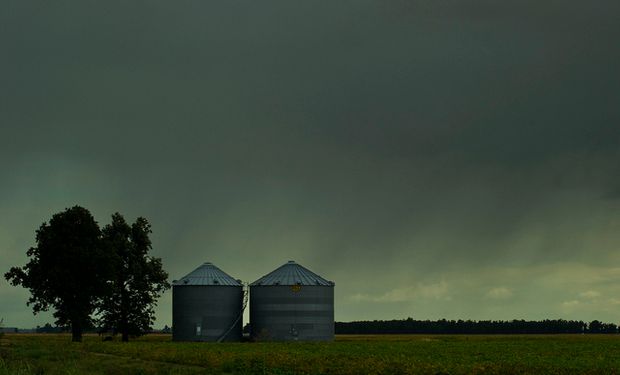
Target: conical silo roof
column 207, row 274
column 292, row 273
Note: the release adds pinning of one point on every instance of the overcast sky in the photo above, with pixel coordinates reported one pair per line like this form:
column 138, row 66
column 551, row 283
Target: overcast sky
column 434, row 158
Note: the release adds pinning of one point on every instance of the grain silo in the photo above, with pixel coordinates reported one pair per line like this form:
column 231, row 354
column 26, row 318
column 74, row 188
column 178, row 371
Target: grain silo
column 207, row 305
column 292, row 303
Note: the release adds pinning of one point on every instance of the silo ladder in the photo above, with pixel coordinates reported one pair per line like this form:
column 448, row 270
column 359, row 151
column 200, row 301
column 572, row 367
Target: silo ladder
column 246, row 295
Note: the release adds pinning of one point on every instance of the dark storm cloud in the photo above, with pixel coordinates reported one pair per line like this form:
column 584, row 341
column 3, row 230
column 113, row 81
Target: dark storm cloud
column 612, row 195
column 419, row 140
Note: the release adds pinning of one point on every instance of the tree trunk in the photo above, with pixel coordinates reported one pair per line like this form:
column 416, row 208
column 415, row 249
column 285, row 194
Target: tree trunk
column 124, row 326
column 76, row 332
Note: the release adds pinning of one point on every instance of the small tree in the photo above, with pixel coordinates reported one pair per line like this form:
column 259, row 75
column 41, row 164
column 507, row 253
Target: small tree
column 67, row 269
column 137, row 278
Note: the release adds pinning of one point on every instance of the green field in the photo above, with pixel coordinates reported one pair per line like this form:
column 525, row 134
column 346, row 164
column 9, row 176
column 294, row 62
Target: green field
column 381, row 354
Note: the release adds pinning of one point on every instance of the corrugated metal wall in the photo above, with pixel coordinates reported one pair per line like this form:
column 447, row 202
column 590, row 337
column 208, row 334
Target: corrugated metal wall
column 292, row 312
column 205, row 312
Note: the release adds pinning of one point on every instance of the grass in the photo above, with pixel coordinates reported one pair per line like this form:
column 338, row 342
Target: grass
column 349, row 354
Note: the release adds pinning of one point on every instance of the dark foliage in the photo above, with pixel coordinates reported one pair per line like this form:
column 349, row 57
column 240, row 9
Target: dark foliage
column 137, row 278
column 473, row 327
column 67, row 269
column 599, row 327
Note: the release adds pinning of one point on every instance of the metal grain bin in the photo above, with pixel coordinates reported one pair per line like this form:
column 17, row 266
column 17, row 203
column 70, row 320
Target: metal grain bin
column 206, row 305
column 292, row 303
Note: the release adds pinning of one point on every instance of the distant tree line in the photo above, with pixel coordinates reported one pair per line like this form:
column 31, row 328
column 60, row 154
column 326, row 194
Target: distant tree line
column 92, row 276
column 48, row 328
column 444, row 326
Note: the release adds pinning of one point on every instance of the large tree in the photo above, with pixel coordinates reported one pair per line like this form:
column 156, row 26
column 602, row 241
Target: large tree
column 138, row 279
column 67, row 269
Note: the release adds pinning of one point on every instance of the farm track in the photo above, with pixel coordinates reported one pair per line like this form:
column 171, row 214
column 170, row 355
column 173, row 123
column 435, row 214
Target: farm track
column 140, row 360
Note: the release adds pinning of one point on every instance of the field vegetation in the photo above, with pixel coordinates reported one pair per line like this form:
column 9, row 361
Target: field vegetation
column 354, row 354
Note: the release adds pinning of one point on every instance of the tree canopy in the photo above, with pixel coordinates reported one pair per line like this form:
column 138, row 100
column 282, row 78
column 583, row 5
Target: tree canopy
column 78, row 270
column 137, row 278
column 67, row 269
